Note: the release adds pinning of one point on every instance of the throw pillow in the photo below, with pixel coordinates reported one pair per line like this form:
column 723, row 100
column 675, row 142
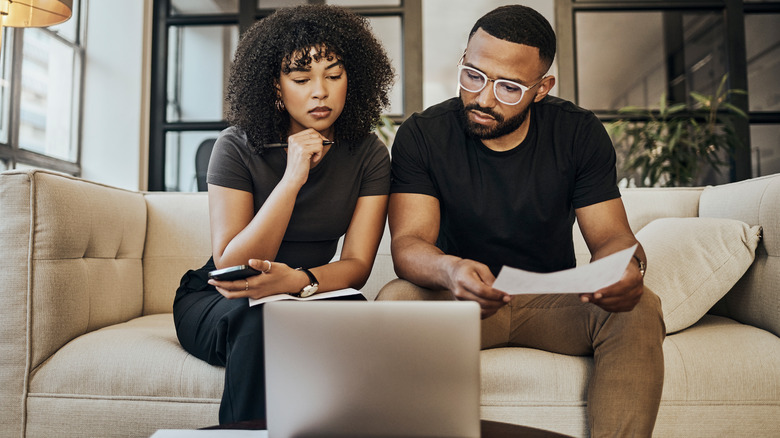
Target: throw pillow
column 693, row 262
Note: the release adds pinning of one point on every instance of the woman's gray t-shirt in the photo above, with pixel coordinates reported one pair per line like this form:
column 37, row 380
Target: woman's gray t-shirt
column 325, row 203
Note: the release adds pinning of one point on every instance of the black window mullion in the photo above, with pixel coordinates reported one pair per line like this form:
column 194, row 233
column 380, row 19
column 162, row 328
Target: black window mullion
column 734, row 17
column 157, row 111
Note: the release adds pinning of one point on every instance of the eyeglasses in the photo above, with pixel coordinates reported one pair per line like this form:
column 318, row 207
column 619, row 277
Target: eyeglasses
column 507, row 92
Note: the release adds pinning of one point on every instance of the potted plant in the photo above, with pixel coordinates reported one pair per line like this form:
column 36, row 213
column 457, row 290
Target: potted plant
column 671, row 146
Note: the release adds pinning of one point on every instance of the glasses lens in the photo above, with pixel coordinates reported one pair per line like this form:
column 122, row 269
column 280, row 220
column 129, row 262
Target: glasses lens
column 471, row 80
column 509, row 92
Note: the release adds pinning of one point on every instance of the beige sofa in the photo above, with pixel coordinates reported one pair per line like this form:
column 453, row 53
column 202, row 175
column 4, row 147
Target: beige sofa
column 87, row 344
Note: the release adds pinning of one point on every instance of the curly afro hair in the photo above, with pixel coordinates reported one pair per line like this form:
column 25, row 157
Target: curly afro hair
column 268, row 48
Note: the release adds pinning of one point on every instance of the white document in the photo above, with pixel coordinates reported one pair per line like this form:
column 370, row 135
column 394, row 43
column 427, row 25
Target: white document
column 317, row 296
column 582, row 279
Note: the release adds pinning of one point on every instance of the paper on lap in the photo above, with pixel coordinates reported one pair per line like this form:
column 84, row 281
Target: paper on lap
column 582, row 279
column 319, row 296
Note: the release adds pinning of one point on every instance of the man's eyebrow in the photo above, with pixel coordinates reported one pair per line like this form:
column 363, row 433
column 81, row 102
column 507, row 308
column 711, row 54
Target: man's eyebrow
column 519, row 81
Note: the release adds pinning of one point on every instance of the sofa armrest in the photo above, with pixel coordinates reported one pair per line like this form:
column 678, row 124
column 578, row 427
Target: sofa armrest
column 73, row 264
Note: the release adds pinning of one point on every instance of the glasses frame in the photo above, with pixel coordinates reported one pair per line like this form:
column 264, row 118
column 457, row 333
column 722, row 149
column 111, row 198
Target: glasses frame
column 522, row 87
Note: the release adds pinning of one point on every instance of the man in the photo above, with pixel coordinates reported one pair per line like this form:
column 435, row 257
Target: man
column 496, row 177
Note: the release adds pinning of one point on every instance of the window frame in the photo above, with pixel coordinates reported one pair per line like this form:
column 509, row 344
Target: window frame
column 11, row 152
column 734, row 18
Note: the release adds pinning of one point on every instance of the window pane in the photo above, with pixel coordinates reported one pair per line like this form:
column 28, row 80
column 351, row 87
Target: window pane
column 763, row 60
column 765, row 141
column 388, row 31
column 48, row 89
column 69, row 29
column 199, row 59
column 3, row 165
column 632, row 58
column 181, row 151
column 5, row 82
column 189, row 7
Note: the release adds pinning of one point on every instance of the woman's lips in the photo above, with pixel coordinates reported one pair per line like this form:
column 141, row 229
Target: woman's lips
column 320, row 112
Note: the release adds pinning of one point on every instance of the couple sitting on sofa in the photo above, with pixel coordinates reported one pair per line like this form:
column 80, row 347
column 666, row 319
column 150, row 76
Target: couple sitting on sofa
column 493, row 177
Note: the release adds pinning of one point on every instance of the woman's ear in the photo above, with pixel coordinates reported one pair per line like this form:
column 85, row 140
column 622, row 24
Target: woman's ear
column 545, row 86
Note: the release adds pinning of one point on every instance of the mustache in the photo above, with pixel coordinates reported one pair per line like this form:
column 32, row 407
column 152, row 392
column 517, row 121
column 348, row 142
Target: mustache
column 488, row 111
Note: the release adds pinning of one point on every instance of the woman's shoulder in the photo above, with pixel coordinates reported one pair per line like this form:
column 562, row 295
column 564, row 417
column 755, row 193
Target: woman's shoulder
column 373, row 146
column 234, row 135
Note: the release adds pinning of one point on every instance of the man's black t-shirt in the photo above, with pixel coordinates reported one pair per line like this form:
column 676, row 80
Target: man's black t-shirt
column 512, row 208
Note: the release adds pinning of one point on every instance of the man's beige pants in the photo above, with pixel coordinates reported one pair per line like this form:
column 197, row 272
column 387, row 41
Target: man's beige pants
column 625, row 389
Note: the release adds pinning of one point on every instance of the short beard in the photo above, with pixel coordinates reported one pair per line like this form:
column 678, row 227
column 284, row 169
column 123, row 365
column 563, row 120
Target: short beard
column 502, row 128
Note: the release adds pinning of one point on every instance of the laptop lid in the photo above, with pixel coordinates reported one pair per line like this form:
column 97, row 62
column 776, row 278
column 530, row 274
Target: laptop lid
column 372, row 369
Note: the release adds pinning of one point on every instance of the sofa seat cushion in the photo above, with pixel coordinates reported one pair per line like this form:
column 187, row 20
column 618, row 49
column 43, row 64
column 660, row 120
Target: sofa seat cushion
column 139, row 359
column 718, row 372
column 721, row 361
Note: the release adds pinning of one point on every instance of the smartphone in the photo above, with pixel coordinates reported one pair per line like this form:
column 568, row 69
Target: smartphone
column 234, row 273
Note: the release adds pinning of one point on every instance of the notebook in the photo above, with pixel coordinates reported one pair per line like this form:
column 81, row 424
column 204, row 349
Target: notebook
column 372, row 369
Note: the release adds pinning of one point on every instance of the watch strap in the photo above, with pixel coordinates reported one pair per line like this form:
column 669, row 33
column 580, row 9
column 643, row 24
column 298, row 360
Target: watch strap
column 313, row 285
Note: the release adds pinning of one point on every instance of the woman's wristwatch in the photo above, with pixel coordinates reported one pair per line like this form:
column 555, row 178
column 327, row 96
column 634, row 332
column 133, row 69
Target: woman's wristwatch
column 312, row 287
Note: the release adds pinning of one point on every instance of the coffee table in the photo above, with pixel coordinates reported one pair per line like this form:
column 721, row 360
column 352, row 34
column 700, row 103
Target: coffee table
column 489, row 429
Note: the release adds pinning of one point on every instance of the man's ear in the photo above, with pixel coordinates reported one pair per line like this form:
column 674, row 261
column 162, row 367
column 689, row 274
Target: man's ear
column 545, row 86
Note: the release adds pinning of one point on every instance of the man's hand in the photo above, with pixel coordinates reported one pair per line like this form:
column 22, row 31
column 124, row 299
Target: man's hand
column 472, row 281
column 621, row 296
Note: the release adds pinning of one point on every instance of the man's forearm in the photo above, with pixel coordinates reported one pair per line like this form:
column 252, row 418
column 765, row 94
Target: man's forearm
column 616, row 244
column 421, row 263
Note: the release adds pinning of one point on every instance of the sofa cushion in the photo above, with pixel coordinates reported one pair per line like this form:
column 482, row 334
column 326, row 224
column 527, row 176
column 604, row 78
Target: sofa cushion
column 140, row 360
column 694, row 262
column 720, row 379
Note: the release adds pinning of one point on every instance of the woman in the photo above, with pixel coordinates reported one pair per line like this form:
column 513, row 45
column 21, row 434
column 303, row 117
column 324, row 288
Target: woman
column 304, row 76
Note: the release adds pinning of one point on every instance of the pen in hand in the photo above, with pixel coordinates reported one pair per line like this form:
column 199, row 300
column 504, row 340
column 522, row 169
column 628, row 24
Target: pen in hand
column 284, row 145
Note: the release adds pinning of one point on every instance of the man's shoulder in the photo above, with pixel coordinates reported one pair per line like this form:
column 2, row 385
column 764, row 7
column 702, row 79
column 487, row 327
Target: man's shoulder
column 441, row 111
column 557, row 105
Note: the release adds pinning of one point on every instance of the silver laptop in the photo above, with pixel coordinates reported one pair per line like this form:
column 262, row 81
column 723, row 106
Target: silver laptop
column 372, row 369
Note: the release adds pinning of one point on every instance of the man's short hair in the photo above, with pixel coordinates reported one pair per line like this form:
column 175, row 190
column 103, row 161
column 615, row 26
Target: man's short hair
column 521, row 25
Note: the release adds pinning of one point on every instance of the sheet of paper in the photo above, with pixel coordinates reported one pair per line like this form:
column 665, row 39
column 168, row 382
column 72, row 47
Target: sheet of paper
column 318, row 296
column 582, row 279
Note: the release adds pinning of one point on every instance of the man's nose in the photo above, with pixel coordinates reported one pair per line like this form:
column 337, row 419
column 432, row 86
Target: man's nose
column 487, row 98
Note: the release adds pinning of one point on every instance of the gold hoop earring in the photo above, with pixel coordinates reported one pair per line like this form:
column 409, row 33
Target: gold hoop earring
column 280, row 105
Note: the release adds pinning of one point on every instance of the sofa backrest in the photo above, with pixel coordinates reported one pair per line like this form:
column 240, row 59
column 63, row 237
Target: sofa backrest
column 177, row 239
column 643, row 205
column 755, row 299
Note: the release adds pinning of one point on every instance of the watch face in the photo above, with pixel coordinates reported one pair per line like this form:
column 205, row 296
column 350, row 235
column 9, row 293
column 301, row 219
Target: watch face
column 308, row 290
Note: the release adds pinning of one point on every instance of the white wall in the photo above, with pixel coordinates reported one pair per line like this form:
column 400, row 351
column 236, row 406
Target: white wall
column 115, row 115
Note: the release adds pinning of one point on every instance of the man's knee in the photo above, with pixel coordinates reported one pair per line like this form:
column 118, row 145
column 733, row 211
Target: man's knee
column 651, row 313
column 402, row 290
